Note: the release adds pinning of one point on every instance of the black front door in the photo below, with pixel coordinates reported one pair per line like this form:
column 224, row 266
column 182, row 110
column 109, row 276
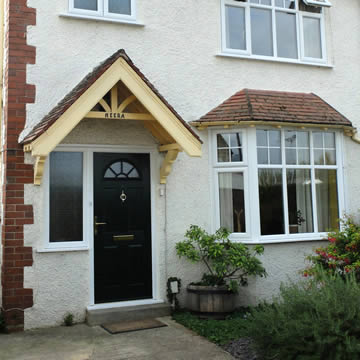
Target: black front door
column 122, row 227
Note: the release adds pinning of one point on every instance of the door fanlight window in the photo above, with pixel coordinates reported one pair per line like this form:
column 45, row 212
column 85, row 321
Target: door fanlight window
column 121, row 170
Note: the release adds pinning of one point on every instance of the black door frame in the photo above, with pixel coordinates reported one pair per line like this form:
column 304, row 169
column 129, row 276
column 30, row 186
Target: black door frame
column 122, row 150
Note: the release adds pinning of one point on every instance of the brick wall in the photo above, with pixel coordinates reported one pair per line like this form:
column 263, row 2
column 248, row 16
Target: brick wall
column 16, row 214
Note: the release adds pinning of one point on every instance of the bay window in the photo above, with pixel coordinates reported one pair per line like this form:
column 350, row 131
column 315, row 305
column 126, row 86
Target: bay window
column 290, row 30
column 121, row 9
column 277, row 184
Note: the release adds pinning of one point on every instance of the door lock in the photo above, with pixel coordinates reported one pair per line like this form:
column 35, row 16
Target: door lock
column 96, row 224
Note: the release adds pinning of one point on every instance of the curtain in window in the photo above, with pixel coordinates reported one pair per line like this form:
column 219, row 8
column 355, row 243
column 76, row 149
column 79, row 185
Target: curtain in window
column 299, row 200
column 327, row 199
column 231, row 198
column 226, row 201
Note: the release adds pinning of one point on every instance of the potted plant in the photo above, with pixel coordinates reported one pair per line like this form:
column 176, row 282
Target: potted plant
column 228, row 265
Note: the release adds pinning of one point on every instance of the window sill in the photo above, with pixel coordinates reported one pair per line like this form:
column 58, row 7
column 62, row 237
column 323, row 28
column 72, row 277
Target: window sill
column 100, row 18
column 274, row 240
column 279, row 242
column 64, row 249
column 277, row 60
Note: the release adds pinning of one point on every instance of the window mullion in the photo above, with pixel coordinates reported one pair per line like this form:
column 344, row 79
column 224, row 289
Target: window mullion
column 248, row 29
column 274, row 32
column 101, row 6
column 254, row 185
column 285, row 195
column 298, row 37
column 313, row 185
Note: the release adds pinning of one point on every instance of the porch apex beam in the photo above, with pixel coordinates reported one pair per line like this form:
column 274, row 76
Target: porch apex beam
column 169, row 147
column 166, row 166
column 39, row 169
column 119, row 116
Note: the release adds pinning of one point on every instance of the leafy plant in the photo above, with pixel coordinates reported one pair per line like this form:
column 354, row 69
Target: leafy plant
column 310, row 320
column 69, row 319
column 341, row 255
column 228, row 263
column 218, row 331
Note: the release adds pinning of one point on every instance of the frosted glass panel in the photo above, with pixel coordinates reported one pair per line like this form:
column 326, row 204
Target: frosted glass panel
column 66, row 196
column 86, row 4
column 120, row 7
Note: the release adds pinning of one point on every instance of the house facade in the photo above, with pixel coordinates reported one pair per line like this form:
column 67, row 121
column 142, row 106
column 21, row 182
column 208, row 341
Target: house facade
column 125, row 121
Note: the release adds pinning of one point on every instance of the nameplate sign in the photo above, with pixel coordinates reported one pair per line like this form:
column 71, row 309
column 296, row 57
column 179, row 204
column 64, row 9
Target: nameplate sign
column 110, row 115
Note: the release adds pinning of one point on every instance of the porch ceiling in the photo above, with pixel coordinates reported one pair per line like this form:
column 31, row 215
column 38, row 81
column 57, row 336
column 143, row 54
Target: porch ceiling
column 116, row 89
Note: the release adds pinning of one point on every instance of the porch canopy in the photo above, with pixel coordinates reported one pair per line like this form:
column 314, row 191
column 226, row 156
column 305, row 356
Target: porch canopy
column 260, row 107
column 116, row 89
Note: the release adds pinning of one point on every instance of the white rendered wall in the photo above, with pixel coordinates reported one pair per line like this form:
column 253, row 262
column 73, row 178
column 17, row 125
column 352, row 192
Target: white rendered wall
column 177, row 51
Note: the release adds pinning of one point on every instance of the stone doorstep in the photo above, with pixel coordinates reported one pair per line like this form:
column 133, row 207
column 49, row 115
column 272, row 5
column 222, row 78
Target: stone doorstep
column 127, row 313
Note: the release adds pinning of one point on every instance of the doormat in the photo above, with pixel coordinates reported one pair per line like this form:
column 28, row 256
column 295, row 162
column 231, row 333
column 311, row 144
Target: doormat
column 137, row 325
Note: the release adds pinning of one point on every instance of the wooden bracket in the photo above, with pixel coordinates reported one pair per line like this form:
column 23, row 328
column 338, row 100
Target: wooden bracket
column 39, row 169
column 166, row 167
column 169, row 147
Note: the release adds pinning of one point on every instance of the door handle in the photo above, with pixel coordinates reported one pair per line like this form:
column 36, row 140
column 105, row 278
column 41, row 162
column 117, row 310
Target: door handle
column 96, row 224
column 123, row 237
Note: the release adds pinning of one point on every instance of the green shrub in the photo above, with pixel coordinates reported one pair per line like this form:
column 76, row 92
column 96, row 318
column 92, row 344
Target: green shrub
column 69, row 319
column 310, row 320
column 228, row 263
column 341, row 255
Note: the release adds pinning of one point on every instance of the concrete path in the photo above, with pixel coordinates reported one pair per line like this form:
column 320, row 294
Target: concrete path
column 82, row 342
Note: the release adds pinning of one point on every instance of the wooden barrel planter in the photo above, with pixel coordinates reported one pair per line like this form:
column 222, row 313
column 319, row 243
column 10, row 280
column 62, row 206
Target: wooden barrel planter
column 210, row 299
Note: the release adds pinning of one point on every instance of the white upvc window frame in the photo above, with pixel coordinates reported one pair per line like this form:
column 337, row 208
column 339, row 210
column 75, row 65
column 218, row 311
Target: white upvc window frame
column 303, row 15
column 247, row 53
column 81, row 244
column 251, row 184
column 320, row 3
column 103, row 11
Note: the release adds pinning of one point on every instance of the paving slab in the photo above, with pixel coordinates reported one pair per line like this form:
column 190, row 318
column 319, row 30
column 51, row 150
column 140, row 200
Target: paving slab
column 82, row 342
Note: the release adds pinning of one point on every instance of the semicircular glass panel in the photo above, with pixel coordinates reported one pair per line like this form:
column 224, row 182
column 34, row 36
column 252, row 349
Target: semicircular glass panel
column 121, row 170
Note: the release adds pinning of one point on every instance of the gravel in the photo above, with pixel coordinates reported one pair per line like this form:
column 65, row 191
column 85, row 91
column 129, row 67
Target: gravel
column 242, row 349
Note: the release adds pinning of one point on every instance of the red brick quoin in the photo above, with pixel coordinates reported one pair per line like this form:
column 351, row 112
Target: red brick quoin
column 15, row 256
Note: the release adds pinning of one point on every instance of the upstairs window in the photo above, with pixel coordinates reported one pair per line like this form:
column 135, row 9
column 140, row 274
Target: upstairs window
column 291, row 30
column 120, row 9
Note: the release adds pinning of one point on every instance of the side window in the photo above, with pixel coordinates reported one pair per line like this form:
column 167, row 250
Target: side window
column 281, row 29
column 231, row 179
column 66, row 197
column 121, row 9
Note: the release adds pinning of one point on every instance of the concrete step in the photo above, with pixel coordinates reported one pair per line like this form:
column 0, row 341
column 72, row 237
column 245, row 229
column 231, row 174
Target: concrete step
column 126, row 313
